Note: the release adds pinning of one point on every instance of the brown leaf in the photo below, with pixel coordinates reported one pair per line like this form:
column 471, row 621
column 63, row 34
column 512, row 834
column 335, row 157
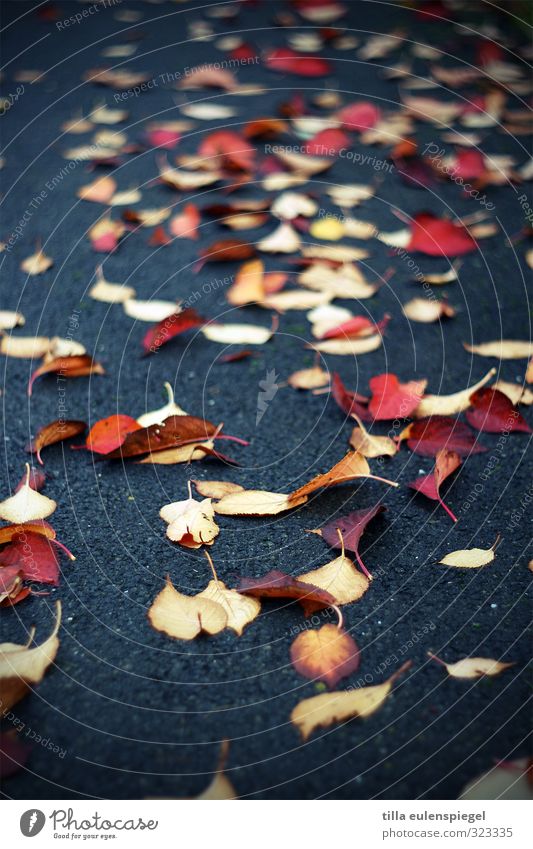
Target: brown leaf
column 173, row 432
column 54, row 432
column 276, row 584
column 74, row 366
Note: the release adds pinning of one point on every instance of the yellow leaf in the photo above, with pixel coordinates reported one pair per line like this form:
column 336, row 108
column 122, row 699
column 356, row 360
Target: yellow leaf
column 502, row 349
column 369, row 445
column 27, row 505
column 184, row 617
column 449, row 405
column 472, row 667
column 470, row 558
column 330, row 708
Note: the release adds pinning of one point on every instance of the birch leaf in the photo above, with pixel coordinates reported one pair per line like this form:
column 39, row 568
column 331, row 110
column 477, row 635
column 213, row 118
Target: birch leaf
column 330, row 708
column 340, row 578
column 471, row 558
column 370, row 445
column 472, row 667
column 327, row 654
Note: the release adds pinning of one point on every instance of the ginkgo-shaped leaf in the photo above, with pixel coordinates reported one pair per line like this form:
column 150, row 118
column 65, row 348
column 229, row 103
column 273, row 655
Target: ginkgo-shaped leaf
column 185, row 617
column 240, row 609
column 26, row 505
column 471, row 558
column 370, row 445
column 190, row 523
column 22, row 666
column 329, row 708
column 472, row 667
column 339, row 577
column 327, row 654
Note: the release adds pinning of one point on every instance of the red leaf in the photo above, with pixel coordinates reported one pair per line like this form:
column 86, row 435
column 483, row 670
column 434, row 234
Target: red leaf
column 228, row 149
column 359, row 116
column 75, row 366
column 349, row 402
column 327, row 143
column 185, row 225
column 446, row 462
column 351, row 527
column 161, row 138
column 159, row 238
column 427, row 436
column 11, row 586
column 494, row 413
column 170, row 327
column 285, row 60
column 225, row 250
column 13, row 753
column 356, row 327
column 276, row 584
column 439, row 236
column 392, row 399
column 110, row 433
column 34, row 555
column 37, row 480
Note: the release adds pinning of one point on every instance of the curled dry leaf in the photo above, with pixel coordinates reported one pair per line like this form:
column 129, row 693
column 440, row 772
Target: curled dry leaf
column 352, row 466
column 237, row 334
column 216, row 489
column 158, row 416
column 109, row 293
column 427, row 311
column 81, row 365
column 36, row 264
column 255, row 502
column 349, row 347
column 309, row 378
column 502, row 349
column 150, row 310
column 330, row 708
column 26, row 505
column 370, row 445
column 446, row 462
column 54, row 432
column 472, row 667
column 190, row 523
column 185, row 617
column 327, row 654
column 248, row 287
column 22, row 666
column 493, row 412
column 24, row 347
column 449, row 405
column 471, row 558
column 339, row 577
column 10, row 319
